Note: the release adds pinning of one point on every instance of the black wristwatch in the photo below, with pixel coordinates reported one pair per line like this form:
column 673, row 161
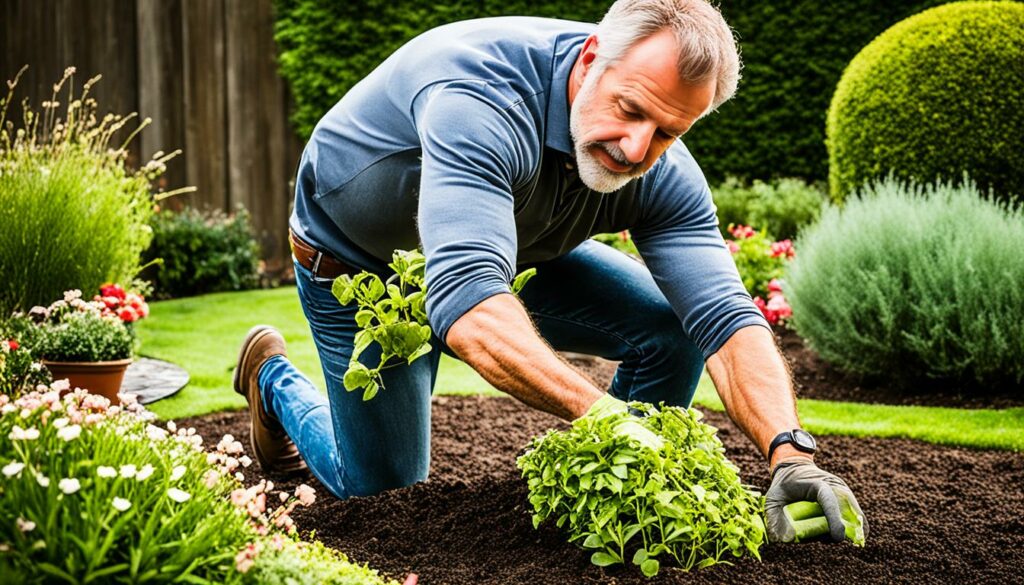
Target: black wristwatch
column 799, row 438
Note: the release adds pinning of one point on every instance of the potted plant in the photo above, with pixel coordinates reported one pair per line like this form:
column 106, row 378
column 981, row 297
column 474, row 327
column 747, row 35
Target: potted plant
column 91, row 343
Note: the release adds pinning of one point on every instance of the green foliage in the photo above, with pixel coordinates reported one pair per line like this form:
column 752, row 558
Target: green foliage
column 93, row 492
column 933, row 97
column 19, row 372
column 299, row 563
column 392, row 315
column 794, row 53
column 72, row 214
column 914, row 284
column 682, row 503
column 94, row 518
column 621, row 241
column 779, row 208
column 202, row 252
column 76, row 336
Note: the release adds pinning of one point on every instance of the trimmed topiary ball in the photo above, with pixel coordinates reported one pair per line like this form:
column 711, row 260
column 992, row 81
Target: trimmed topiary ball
column 913, row 285
column 936, row 96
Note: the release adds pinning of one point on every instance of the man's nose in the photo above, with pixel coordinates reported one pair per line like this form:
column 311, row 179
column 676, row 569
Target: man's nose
column 638, row 141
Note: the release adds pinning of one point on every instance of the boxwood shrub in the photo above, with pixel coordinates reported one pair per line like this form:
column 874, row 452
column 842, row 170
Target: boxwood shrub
column 202, row 252
column 914, row 285
column 939, row 94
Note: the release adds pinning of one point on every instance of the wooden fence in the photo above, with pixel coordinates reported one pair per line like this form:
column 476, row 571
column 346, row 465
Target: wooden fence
column 203, row 70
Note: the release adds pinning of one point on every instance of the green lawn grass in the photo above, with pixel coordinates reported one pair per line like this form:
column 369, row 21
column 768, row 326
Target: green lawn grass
column 203, row 334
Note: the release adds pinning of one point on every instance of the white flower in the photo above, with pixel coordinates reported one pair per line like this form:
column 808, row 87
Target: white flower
column 144, row 473
column 13, row 468
column 128, row 471
column 20, row 434
column 60, row 423
column 69, row 485
column 171, row 426
column 61, row 385
column 245, row 461
column 178, row 495
column 8, row 409
column 25, row 525
column 42, row 480
column 155, row 433
column 70, row 433
column 239, row 476
column 106, row 471
column 121, row 504
column 177, row 472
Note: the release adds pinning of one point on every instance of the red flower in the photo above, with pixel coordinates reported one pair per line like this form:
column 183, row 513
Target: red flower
column 14, row 344
column 742, row 232
column 112, row 290
column 128, row 314
column 783, row 248
column 774, row 286
column 768, row 313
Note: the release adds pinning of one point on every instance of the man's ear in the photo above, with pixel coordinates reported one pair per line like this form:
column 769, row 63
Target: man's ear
column 587, row 56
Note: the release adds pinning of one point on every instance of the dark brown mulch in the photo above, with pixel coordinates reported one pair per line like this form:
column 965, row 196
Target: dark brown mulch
column 937, row 514
column 816, row 378
column 813, row 377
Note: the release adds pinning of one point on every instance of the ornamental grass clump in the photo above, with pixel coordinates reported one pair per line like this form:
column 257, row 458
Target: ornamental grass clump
column 680, row 503
column 92, row 492
column 915, row 285
column 72, row 214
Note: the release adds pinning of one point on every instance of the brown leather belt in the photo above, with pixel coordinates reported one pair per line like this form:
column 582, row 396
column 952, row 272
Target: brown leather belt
column 320, row 264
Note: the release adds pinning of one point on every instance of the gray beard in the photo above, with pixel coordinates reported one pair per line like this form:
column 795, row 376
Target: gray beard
column 595, row 175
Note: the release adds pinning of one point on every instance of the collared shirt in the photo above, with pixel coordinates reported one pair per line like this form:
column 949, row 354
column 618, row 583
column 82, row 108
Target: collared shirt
column 459, row 142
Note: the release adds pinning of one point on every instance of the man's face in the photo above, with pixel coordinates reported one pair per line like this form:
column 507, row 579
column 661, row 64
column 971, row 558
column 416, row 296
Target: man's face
column 625, row 117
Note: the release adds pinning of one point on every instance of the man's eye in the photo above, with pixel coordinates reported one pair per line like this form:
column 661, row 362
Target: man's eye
column 629, row 113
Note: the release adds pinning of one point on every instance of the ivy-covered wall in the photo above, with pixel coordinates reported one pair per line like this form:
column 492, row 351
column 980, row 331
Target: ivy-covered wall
column 794, row 53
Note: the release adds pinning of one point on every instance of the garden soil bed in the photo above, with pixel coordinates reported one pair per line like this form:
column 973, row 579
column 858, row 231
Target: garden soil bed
column 937, row 514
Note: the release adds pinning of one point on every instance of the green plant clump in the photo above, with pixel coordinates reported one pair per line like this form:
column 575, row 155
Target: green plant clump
column 935, row 96
column 202, row 252
column 394, row 315
column 778, row 208
column 72, row 215
column 682, row 503
column 914, row 284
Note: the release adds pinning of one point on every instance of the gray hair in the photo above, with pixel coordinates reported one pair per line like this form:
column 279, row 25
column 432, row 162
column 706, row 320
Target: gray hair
column 707, row 47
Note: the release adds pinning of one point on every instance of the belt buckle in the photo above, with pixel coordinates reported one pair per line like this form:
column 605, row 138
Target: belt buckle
column 316, row 264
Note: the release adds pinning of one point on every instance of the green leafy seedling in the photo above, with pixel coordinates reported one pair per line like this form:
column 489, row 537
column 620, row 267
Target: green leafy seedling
column 393, row 315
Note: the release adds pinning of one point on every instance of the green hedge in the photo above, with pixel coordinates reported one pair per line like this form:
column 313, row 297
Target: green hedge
column 913, row 286
column 794, row 52
column 936, row 96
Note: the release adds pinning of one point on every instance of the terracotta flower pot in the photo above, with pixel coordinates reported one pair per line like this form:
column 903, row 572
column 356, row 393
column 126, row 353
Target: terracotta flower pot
column 103, row 378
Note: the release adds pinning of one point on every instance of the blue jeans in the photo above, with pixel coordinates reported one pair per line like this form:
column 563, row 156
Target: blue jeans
column 593, row 300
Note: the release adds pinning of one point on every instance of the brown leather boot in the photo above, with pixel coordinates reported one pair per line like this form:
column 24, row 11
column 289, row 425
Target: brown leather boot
column 273, row 448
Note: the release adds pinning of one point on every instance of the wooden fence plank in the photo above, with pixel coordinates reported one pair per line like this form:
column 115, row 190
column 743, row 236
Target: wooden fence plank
column 159, row 88
column 205, row 84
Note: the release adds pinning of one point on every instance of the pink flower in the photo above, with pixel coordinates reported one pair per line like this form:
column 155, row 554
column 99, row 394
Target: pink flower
column 768, row 313
column 780, row 307
column 305, row 494
column 774, row 286
column 783, row 248
column 734, row 248
column 742, row 232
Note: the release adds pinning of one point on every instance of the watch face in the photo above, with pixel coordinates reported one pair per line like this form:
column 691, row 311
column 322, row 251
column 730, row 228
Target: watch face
column 803, row 439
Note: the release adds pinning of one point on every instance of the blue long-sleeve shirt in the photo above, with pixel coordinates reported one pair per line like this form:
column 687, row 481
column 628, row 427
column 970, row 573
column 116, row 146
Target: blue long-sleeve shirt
column 460, row 142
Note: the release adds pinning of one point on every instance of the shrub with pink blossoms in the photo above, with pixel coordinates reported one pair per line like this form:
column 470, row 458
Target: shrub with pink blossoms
column 761, row 263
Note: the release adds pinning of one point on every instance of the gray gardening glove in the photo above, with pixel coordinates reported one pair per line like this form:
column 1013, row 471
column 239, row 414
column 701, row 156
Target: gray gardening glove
column 630, row 426
column 798, row 479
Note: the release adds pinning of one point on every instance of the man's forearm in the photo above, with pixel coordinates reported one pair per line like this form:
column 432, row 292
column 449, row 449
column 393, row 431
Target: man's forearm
column 498, row 340
column 756, row 388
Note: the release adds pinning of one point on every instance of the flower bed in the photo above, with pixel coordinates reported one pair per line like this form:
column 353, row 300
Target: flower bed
column 95, row 492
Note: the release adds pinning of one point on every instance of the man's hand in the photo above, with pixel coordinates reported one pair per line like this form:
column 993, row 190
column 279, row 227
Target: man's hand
column 630, row 426
column 798, row 479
